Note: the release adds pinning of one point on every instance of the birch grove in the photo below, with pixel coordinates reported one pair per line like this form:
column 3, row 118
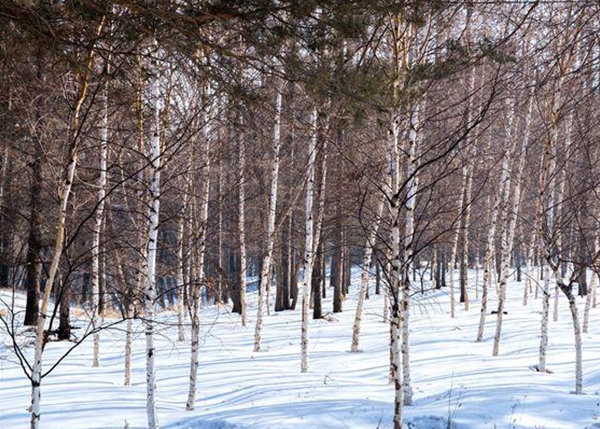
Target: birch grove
column 169, row 168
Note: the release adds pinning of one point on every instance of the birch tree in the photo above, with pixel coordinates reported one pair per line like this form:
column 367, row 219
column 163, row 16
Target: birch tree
column 309, row 250
column 266, row 265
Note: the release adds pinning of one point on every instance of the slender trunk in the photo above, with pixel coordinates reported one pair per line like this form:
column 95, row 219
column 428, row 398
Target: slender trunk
column 34, row 245
column 336, row 265
column 578, row 347
column 509, row 231
column 199, row 263
column 498, row 216
column 588, row 299
column 40, row 340
column 408, row 245
column 98, row 225
column 242, row 229
column 153, row 222
column 365, row 274
column 308, row 254
column 264, row 285
column 316, row 283
column 544, row 323
column 377, row 278
column 181, row 271
column 63, row 197
column 464, row 260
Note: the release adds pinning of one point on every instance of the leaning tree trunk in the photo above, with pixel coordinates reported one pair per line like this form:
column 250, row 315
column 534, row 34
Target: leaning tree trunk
column 501, row 200
column 588, row 299
column 367, row 255
column 547, row 171
column 317, row 286
column 509, row 232
column 461, row 210
column 264, row 286
column 40, row 339
column 63, row 197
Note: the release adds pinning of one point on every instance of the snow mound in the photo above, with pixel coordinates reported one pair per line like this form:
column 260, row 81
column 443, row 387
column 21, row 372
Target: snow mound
column 430, row 422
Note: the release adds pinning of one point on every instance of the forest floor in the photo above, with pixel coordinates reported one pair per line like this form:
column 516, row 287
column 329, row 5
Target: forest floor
column 457, row 383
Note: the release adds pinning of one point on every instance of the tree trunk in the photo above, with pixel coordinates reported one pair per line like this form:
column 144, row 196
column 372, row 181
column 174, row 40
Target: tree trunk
column 153, row 223
column 509, row 232
column 336, row 267
column 64, row 191
column 242, row 229
column 264, row 285
column 64, row 327
column 316, row 283
column 34, row 247
column 196, row 301
column 308, row 254
column 365, row 275
column 99, row 216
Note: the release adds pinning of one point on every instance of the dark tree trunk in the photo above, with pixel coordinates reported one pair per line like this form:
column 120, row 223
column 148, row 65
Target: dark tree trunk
column 518, row 263
column 234, row 271
column 444, row 269
column 278, row 268
column 102, row 286
column 367, row 292
column 294, row 283
column 316, row 282
column 324, row 272
column 34, row 248
column 347, row 269
column 64, row 326
column 336, row 269
column 282, row 299
column 377, row 278
column 463, row 280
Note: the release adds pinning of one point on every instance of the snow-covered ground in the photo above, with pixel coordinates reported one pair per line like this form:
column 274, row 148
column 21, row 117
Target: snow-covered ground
column 457, row 383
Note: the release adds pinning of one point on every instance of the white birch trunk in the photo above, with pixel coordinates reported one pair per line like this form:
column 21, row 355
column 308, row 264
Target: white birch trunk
column 544, row 322
column 265, row 278
column 196, row 297
column 455, row 250
column 64, row 192
column 409, row 231
column 308, row 254
column 578, row 345
column 180, row 274
column 242, row 227
column 367, row 254
column 509, row 232
column 395, row 276
column 150, row 292
column 488, row 260
column 588, row 298
column 98, row 225
column 548, row 170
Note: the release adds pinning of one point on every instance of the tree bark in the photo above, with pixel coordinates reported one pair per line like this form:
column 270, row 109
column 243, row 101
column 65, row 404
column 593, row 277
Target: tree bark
column 308, row 254
column 264, row 285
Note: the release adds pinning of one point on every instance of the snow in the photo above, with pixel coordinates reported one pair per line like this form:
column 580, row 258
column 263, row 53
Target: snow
column 457, row 383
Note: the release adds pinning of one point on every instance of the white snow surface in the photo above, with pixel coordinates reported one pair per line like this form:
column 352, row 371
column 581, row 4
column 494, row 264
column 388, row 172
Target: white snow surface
column 457, row 383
